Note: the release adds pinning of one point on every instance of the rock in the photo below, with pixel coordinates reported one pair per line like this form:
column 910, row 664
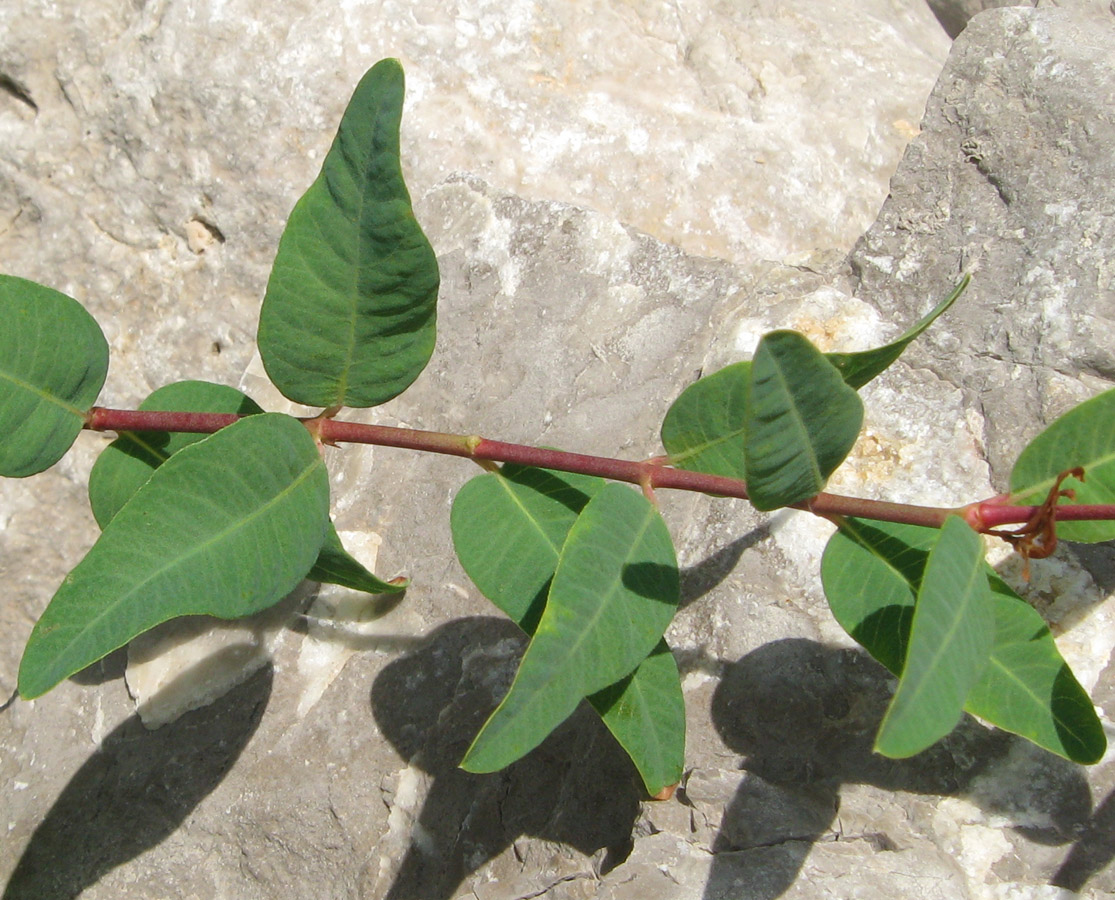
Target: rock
column 954, row 14
column 992, row 185
column 747, row 130
column 332, row 770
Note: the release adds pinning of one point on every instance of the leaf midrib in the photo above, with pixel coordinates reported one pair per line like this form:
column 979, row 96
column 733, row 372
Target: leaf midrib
column 89, row 625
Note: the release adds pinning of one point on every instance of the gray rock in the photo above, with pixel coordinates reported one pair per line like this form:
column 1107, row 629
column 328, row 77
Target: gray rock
column 332, row 771
column 994, row 185
column 955, row 14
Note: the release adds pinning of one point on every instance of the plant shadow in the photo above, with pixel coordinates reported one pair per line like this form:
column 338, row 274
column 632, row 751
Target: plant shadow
column 804, row 717
column 578, row 788
column 134, row 792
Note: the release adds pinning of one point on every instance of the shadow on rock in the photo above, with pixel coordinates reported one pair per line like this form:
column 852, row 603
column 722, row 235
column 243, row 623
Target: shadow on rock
column 134, row 792
column 1092, row 852
column 710, row 572
column 578, row 788
column 804, row 716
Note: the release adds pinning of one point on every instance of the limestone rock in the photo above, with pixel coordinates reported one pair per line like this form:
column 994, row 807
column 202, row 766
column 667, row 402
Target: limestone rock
column 331, row 771
column 749, row 130
column 993, row 185
column 955, row 14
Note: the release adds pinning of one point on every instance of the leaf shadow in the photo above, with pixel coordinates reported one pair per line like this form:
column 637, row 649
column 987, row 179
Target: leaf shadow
column 705, row 576
column 134, row 792
column 577, row 788
column 1092, row 852
column 804, row 717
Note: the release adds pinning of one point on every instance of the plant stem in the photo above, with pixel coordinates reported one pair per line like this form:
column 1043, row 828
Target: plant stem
column 650, row 474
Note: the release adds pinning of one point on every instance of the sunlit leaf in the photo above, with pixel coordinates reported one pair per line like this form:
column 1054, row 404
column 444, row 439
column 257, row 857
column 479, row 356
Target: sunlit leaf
column 646, row 713
column 613, row 594
column 951, row 637
column 802, row 420
column 335, row 565
column 226, row 527
column 1026, row 687
column 859, row 368
column 508, row 530
column 704, row 428
column 349, row 314
column 126, row 463
column 53, row 363
column 1084, row 436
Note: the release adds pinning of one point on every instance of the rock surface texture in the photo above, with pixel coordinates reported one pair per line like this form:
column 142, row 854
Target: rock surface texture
column 621, row 196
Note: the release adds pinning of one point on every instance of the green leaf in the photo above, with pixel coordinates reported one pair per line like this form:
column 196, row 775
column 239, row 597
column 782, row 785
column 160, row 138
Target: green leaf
column 53, row 363
column 226, row 527
column 704, row 428
column 858, row 369
column 126, row 463
column 645, row 712
column 1029, row 687
column 335, row 565
column 613, row 594
column 349, row 314
column 1084, row 436
column 508, row 530
column 802, row 420
column 872, row 572
column 951, row 637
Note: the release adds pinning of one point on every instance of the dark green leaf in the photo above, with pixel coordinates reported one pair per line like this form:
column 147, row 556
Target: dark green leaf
column 1026, row 688
column 508, row 530
column 645, row 712
column 349, row 314
column 871, row 573
column 53, row 363
column 128, row 461
column 613, row 594
column 802, row 420
column 858, row 369
column 704, row 428
column 1084, row 436
column 335, row 565
column 951, row 637
column 226, row 527
column 1030, row 688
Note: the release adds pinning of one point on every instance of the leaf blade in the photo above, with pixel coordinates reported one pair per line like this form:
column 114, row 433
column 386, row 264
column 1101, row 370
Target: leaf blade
column 1026, row 689
column 126, row 463
column 951, row 637
column 335, row 565
column 704, row 428
column 645, row 712
column 508, row 531
column 53, row 364
column 226, row 527
column 354, row 262
column 613, row 594
column 1084, row 436
column 857, row 369
column 802, row 420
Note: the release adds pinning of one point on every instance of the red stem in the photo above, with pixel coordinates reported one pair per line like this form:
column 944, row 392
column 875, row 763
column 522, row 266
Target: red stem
column 651, row 473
